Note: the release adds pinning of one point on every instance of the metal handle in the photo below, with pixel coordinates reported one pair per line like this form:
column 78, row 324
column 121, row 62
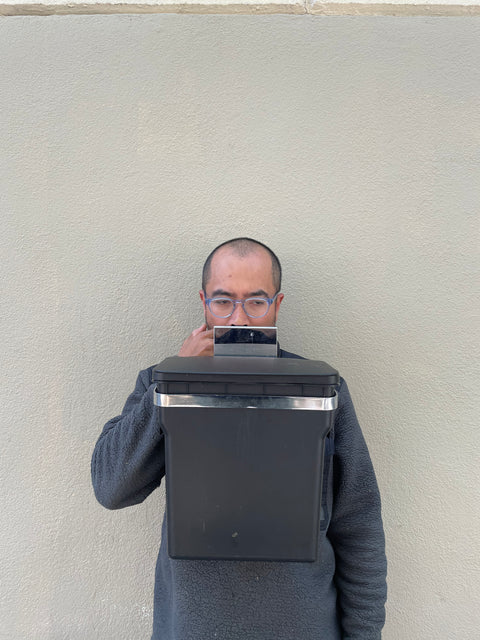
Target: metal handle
column 245, row 402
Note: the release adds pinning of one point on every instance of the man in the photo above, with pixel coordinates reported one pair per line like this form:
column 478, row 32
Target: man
column 342, row 594
column 238, row 269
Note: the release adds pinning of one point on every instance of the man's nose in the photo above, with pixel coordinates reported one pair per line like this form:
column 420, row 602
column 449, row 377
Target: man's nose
column 239, row 316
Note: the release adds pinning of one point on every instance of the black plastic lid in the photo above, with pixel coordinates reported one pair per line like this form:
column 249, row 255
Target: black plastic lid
column 245, row 370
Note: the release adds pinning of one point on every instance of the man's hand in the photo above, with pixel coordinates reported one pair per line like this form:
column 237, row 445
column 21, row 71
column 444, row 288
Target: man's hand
column 198, row 343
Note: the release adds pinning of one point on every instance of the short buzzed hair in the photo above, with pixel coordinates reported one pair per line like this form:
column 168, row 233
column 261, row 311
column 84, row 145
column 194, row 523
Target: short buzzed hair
column 242, row 247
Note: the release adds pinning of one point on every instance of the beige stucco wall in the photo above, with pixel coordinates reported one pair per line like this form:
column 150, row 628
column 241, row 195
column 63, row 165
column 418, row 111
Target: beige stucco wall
column 130, row 147
column 243, row 7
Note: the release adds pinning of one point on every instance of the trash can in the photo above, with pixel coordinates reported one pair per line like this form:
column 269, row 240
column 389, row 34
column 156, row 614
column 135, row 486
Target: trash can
column 244, row 441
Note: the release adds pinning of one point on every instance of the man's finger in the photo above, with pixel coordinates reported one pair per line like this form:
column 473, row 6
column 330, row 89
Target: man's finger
column 195, row 332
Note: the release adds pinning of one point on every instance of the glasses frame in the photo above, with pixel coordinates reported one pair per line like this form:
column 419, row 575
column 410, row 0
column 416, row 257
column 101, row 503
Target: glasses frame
column 270, row 301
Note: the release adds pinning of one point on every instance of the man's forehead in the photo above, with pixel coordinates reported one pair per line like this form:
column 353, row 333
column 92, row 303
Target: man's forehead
column 254, row 267
column 228, row 260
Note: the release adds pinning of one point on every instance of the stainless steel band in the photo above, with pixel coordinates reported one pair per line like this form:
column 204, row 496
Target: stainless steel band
column 245, row 402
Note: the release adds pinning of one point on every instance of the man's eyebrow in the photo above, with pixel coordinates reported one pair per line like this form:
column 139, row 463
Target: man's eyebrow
column 228, row 294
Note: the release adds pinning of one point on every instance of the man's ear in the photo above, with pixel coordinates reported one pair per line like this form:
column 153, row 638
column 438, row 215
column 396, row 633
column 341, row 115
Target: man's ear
column 278, row 301
column 202, row 298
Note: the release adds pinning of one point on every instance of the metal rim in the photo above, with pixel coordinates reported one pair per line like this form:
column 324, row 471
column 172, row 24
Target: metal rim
column 305, row 403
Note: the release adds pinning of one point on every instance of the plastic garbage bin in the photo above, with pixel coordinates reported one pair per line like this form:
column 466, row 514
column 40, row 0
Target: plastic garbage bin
column 244, row 455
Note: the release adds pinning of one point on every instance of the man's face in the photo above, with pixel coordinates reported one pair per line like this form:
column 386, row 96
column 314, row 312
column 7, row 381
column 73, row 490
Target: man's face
column 232, row 276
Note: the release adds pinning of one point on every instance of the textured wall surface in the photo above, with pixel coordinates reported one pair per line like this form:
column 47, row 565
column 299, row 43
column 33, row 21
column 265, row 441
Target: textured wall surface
column 243, row 7
column 130, row 147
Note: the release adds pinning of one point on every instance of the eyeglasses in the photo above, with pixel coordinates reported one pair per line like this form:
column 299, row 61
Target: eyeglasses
column 253, row 307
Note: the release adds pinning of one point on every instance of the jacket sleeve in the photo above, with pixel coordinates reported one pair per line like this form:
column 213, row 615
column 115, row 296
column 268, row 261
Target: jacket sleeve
column 356, row 530
column 128, row 461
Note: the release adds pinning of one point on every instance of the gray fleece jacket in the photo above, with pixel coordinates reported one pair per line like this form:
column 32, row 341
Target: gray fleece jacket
column 341, row 596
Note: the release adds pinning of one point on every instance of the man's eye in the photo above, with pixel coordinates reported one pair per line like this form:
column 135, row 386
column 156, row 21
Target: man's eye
column 258, row 302
column 222, row 301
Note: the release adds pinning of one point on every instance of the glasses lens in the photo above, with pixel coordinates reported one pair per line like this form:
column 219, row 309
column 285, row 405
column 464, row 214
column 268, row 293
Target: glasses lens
column 256, row 307
column 221, row 307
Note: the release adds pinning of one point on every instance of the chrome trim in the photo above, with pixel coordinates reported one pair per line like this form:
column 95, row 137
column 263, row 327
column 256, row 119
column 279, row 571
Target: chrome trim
column 245, row 402
column 245, row 350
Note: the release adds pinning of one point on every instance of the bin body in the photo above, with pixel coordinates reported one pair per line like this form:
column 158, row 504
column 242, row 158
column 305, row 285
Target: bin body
column 244, row 455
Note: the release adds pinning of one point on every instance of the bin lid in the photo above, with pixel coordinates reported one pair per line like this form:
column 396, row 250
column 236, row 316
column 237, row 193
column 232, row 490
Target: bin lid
column 243, row 370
